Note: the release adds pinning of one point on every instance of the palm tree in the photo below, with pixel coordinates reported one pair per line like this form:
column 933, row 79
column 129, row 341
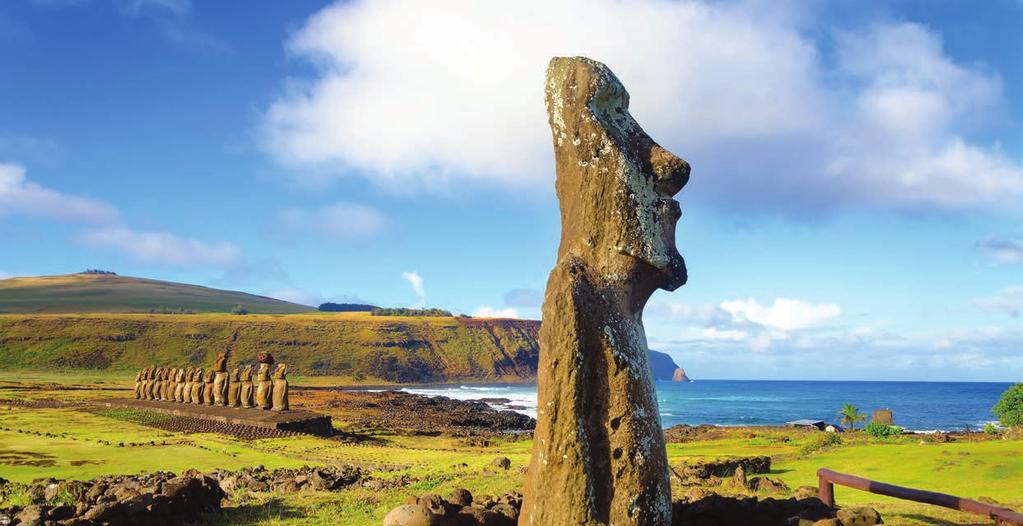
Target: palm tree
column 851, row 415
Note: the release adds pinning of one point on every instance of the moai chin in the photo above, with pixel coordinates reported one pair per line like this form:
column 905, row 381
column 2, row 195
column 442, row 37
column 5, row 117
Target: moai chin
column 598, row 451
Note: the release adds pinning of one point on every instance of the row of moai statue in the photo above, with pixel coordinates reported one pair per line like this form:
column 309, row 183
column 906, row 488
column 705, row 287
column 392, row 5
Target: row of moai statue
column 216, row 387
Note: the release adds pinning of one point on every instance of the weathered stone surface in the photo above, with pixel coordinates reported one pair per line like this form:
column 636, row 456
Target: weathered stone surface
column 263, row 396
column 220, row 380
column 280, row 389
column 598, row 454
column 409, row 515
column 859, row 516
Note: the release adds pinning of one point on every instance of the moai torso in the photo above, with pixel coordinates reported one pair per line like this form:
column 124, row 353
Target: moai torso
column 234, row 389
column 197, row 386
column 263, row 387
column 246, row 392
column 280, row 390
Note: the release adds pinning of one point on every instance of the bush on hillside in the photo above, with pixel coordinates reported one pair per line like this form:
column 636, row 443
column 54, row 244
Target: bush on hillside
column 881, row 430
column 991, row 429
column 397, row 311
column 238, row 309
column 345, row 307
column 100, row 272
column 1009, row 408
column 820, row 442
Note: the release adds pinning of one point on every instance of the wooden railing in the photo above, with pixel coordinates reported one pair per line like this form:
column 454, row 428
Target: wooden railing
column 828, row 478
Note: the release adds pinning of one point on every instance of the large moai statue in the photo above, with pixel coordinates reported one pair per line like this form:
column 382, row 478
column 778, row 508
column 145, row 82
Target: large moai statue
column 151, row 382
column 207, row 388
column 280, row 390
column 168, row 384
column 220, row 380
column 598, row 450
column 138, row 383
column 246, row 392
column 197, row 386
column 186, row 390
column 179, row 385
column 263, row 384
column 234, row 389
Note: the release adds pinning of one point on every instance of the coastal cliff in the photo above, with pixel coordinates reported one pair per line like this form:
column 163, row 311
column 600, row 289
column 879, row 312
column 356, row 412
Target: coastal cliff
column 401, row 349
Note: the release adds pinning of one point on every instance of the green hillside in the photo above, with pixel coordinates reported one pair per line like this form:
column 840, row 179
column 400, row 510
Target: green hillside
column 111, row 293
column 357, row 345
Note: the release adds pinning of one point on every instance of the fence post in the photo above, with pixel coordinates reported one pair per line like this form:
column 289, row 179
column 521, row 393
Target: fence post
column 826, row 491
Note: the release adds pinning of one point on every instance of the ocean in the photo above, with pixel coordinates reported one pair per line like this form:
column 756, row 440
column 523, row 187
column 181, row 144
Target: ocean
column 918, row 406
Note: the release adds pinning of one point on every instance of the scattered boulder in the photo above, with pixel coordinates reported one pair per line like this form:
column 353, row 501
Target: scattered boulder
column 154, row 498
column 459, row 509
column 859, row 516
column 702, row 472
column 501, row 463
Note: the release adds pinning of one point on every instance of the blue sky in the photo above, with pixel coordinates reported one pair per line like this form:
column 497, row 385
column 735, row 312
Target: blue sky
column 853, row 212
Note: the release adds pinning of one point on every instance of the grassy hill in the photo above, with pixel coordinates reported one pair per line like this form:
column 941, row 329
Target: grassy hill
column 387, row 348
column 110, row 293
column 105, row 323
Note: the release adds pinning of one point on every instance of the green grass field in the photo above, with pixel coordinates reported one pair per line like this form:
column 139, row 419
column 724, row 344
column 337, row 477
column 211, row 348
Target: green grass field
column 70, row 443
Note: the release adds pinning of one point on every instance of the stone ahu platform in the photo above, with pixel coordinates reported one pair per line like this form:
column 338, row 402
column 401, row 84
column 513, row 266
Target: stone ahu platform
column 291, row 420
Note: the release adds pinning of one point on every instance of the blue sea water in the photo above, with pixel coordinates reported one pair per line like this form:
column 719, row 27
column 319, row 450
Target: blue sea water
column 920, row 406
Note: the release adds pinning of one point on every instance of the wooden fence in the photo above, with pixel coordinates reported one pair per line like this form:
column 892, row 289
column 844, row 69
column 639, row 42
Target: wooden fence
column 828, row 478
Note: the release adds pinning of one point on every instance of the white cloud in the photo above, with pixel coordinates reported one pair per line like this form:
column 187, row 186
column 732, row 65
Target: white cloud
column 20, row 196
column 162, row 247
column 338, row 221
column 412, row 94
column 416, row 282
column 1003, row 250
column 5, row 275
column 487, row 311
column 301, row 297
column 784, row 314
column 1009, row 300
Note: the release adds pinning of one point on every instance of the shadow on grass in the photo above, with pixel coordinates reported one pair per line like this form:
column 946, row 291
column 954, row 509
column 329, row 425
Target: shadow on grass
column 256, row 513
column 923, row 519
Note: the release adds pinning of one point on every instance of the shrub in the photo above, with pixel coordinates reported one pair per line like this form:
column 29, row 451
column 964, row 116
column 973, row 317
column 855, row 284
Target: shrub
column 1009, row 408
column 358, row 376
column 346, row 307
column 820, row 442
column 238, row 309
column 879, row 430
column 991, row 429
column 398, row 311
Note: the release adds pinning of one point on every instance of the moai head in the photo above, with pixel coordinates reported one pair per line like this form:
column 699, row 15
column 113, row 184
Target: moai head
column 281, row 371
column 247, row 373
column 209, row 376
column 197, row 374
column 236, row 374
column 614, row 183
column 220, row 364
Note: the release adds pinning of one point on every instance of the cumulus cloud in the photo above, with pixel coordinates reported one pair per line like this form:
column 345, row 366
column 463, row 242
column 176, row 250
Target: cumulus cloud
column 739, row 323
column 20, row 196
column 784, row 314
column 487, row 311
column 408, row 93
column 338, row 221
column 416, row 282
column 5, row 275
column 1009, row 300
column 162, row 247
column 1002, row 249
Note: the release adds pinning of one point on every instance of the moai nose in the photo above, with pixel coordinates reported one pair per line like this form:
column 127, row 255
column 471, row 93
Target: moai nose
column 672, row 172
